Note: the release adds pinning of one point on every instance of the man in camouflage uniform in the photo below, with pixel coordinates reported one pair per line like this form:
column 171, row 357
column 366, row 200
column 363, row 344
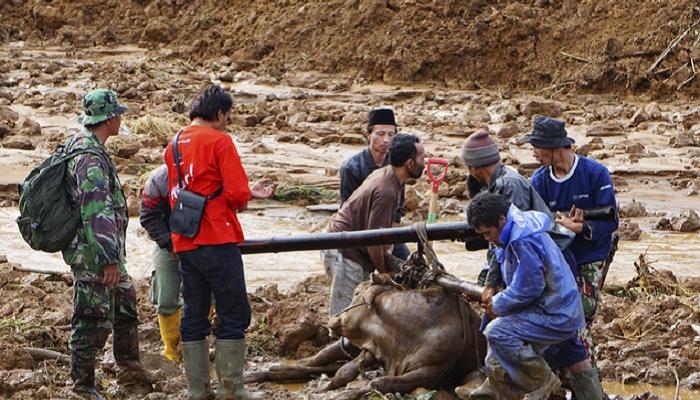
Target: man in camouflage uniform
column 104, row 299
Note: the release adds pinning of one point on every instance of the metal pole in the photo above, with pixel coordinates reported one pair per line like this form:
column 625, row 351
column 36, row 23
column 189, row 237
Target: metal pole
column 342, row 240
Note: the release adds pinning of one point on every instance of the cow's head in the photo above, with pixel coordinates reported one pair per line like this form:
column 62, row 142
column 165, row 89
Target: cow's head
column 349, row 322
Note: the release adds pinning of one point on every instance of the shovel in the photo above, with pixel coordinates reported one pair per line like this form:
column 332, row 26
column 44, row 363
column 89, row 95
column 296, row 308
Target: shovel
column 435, row 181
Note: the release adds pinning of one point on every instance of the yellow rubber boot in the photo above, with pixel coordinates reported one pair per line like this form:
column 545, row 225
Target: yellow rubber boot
column 170, row 334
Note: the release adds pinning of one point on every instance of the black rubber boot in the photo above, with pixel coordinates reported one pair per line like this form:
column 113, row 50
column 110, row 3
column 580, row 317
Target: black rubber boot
column 586, row 385
column 82, row 372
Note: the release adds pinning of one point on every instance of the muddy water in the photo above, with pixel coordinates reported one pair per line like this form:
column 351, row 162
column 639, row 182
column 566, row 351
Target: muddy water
column 663, row 392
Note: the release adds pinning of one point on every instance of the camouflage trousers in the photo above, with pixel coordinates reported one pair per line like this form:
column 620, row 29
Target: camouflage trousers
column 588, row 281
column 97, row 311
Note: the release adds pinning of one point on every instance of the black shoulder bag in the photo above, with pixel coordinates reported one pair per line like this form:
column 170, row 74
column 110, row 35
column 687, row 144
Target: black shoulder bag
column 186, row 216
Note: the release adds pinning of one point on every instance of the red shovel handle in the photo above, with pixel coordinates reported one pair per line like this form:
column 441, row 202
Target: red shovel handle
column 437, row 180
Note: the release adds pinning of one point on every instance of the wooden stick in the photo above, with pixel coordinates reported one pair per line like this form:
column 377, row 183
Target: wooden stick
column 44, row 354
column 684, row 82
column 670, row 47
column 678, row 385
column 577, row 58
column 641, row 53
column 555, row 86
column 39, row 270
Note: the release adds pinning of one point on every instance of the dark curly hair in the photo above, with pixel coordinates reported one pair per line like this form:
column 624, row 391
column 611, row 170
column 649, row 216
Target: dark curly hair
column 209, row 101
column 486, row 209
column 403, row 148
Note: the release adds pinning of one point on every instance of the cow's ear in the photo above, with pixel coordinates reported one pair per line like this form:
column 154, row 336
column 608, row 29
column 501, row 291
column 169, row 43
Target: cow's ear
column 377, row 279
column 373, row 291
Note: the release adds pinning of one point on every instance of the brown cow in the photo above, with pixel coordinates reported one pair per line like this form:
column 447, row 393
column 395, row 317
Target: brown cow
column 422, row 338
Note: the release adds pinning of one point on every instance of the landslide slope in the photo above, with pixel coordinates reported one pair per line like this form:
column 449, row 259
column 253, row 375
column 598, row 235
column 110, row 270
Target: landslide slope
column 594, row 45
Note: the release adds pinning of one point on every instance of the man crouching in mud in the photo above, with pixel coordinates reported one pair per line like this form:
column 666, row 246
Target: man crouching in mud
column 540, row 306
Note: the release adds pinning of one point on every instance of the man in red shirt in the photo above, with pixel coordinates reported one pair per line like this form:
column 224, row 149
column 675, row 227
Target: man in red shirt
column 210, row 262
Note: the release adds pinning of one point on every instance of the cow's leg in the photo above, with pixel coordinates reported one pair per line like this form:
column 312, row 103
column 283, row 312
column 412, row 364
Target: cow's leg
column 290, row 373
column 406, row 383
column 341, row 350
column 350, row 371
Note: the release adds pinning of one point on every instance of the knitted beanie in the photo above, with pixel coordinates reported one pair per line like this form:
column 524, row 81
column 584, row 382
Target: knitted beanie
column 479, row 149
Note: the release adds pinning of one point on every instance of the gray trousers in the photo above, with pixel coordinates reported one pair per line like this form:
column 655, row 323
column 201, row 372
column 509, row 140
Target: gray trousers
column 345, row 275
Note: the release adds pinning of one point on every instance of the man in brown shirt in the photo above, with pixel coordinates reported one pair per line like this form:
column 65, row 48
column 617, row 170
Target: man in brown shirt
column 372, row 206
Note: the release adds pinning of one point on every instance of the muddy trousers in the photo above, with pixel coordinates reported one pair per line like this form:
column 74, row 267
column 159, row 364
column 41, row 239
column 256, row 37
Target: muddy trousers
column 514, row 364
column 588, row 282
column 166, row 284
column 345, row 275
column 97, row 310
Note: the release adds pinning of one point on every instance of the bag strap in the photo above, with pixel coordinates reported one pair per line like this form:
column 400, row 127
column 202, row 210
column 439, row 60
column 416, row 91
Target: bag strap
column 176, row 156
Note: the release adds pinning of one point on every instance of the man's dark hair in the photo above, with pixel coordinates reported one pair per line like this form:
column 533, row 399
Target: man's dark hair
column 486, row 209
column 403, row 148
column 209, row 101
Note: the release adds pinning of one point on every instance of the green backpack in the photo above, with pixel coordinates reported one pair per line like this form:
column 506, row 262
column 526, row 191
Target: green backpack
column 49, row 217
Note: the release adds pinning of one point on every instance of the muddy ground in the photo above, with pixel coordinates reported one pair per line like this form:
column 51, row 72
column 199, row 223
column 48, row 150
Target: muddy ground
column 295, row 127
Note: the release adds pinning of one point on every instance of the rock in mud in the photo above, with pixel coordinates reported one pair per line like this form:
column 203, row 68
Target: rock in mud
column 692, row 382
column 286, row 137
column 157, row 31
column 633, row 210
column 503, row 112
column 508, row 130
column 605, row 128
column 8, row 115
column 639, row 117
column 29, row 127
column 124, row 146
column 298, row 118
column 18, row 142
column 629, row 230
column 476, row 114
column 686, row 221
column 352, row 138
column 653, row 110
column 261, row 148
column 545, row 108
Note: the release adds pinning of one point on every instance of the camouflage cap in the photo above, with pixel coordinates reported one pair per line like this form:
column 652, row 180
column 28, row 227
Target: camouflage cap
column 100, row 105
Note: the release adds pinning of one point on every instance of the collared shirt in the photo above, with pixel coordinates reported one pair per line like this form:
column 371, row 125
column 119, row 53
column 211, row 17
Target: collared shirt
column 588, row 185
column 371, row 206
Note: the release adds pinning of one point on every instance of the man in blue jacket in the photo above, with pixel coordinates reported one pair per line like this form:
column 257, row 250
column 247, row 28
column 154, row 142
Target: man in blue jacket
column 569, row 184
column 540, row 306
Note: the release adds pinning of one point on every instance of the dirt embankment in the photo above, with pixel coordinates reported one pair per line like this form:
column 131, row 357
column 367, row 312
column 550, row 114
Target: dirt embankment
column 596, row 45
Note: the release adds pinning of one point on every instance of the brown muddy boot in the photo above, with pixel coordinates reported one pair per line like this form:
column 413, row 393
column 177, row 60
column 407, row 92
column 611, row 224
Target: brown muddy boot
column 484, row 392
column 133, row 378
column 550, row 385
column 83, row 376
column 229, row 361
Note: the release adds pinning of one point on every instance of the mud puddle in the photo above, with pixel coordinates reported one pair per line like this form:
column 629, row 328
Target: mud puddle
column 663, row 392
